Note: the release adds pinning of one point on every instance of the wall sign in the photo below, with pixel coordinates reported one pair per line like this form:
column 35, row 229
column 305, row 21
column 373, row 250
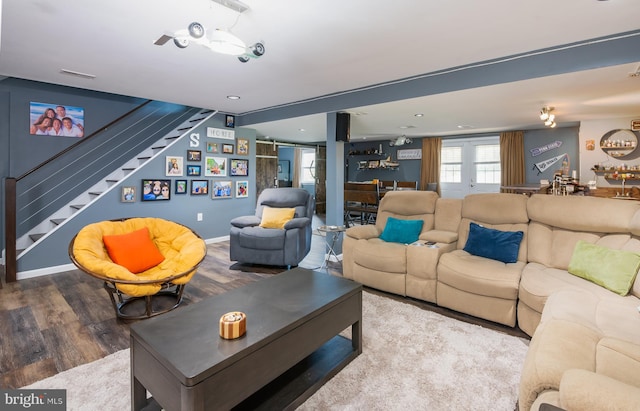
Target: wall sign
column 409, row 154
column 221, row 133
column 539, row 150
column 635, row 125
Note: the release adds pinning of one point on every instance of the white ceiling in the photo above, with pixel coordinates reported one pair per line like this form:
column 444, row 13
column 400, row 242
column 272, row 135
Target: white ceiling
column 318, row 48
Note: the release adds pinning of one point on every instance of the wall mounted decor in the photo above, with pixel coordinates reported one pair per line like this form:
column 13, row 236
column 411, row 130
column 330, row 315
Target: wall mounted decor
column 212, row 148
column 199, row 187
column 242, row 188
column 128, row 194
column 230, row 121
column 215, row 166
column 174, row 166
column 154, row 190
column 193, row 170
column 181, row 186
column 194, row 155
column 239, row 167
column 242, row 146
column 221, row 189
column 227, row 148
column 56, row 120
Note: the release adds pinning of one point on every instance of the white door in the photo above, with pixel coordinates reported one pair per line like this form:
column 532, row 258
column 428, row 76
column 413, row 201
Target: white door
column 469, row 166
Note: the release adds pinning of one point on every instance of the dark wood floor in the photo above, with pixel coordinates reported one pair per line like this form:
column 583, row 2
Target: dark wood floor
column 52, row 323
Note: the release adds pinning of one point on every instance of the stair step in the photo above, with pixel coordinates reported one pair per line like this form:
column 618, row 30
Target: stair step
column 95, row 193
column 36, row 237
column 57, row 221
column 144, row 158
column 171, row 138
column 112, row 181
column 195, row 120
column 184, row 129
column 77, row 206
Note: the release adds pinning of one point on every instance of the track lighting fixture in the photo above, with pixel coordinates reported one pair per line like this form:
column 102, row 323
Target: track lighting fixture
column 547, row 117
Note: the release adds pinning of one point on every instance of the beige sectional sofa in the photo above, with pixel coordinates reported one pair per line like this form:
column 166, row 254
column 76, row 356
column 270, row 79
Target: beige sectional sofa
column 585, row 348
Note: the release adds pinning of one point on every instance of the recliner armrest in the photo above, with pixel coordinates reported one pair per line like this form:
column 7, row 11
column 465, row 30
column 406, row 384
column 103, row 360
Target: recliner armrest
column 363, row 232
column 245, row 221
column 298, row 222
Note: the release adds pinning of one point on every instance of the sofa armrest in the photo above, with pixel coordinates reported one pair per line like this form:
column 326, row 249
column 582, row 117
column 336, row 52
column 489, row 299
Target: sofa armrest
column 245, row 221
column 363, row 232
column 587, row 390
column 298, row 222
column 440, row 236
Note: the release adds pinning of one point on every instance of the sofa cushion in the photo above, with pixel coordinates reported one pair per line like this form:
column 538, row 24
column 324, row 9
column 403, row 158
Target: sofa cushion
column 480, row 275
column 381, row 256
column 614, row 270
column 401, row 231
column 135, row 251
column 494, row 244
column 273, row 217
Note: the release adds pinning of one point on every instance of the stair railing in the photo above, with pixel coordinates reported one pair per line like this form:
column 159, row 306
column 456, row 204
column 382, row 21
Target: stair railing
column 10, row 199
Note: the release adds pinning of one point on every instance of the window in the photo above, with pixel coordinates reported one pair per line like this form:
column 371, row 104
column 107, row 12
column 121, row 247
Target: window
column 451, row 165
column 487, row 164
column 308, row 167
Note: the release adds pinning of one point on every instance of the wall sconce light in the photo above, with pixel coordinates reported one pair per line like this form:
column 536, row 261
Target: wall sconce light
column 547, row 117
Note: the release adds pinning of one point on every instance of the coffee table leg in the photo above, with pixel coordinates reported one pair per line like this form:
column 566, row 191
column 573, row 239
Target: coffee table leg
column 356, row 336
column 138, row 395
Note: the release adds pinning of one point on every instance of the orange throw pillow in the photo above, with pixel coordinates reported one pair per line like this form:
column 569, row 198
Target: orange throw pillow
column 134, row 251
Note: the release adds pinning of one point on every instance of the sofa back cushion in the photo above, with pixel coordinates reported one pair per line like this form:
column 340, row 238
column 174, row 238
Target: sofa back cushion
column 559, row 222
column 448, row 214
column 408, row 205
column 499, row 211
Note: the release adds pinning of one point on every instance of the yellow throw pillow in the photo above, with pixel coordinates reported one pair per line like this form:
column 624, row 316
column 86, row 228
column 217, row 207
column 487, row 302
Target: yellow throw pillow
column 135, row 250
column 276, row 217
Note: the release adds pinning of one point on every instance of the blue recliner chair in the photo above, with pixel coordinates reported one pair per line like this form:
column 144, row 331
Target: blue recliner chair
column 250, row 243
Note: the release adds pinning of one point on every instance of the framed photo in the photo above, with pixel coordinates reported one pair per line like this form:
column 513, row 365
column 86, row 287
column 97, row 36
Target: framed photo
column 174, row 166
column 239, row 167
column 230, row 121
column 155, row 190
column 193, row 170
column 199, row 187
column 215, row 167
column 181, row 187
column 227, row 148
column 242, row 189
column 221, row 189
column 128, row 194
column 56, row 120
column 242, row 146
column 194, row 155
column 212, row 148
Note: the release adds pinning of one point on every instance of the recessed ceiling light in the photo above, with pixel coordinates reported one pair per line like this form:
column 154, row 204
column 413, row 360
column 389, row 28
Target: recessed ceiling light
column 233, row 97
column 464, row 127
column 419, row 115
column 405, row 127
column 302, row 130
column 360, row 113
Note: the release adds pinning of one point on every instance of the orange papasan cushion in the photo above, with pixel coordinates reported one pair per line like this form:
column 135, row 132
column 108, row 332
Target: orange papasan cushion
column 135, row 250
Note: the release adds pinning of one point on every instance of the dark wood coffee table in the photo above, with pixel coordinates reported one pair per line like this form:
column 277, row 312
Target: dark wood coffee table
column 291, row 347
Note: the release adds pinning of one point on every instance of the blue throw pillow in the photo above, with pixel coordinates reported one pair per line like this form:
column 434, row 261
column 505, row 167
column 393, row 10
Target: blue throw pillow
column 401, row 231
column 494, row 244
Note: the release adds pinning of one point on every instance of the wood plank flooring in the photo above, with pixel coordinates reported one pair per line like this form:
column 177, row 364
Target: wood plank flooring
column 52, row 323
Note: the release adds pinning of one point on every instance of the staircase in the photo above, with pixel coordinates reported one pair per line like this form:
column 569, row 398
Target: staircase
column 31, row 239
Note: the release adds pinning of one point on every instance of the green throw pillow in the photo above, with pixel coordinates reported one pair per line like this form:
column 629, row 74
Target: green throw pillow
column 614, row 270
column 401, row 231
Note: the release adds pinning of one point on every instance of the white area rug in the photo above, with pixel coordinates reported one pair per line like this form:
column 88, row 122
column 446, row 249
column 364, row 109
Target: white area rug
column 412, row 359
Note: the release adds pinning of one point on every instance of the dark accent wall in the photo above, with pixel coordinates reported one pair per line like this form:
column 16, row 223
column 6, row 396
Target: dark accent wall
column 545, row 140
column 408, row 170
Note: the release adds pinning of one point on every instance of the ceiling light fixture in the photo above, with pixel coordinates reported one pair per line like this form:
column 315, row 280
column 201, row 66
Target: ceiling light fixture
column 547, row 117
column 233, row 97
column 400, row 141
column 220, row 41
column 77, row 74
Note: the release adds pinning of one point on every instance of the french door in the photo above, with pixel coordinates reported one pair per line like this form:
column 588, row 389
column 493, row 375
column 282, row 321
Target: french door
column 469, row 166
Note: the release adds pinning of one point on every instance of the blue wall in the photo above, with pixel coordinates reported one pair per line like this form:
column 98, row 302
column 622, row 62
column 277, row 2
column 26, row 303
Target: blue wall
column 409, row 170
column 545, row 144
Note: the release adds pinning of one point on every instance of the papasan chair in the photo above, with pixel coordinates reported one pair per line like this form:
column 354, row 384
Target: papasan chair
column 144, row 262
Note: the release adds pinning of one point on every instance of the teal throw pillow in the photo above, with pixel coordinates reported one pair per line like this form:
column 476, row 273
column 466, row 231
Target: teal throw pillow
column 494, row 244
column 614, row 270
column 401, row 231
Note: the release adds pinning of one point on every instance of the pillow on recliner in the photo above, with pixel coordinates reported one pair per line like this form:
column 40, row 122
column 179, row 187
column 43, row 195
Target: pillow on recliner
column 401, row 231
column 494, row 244
column 135, row 251
column 276, row 217
column 614, row 270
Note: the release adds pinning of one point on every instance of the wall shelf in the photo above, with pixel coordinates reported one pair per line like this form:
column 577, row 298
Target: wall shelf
column 619, row 143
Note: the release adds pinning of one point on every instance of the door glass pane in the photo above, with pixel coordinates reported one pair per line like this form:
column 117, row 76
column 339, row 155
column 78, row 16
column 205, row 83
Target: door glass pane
column 451, row 165
column 487, row 164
